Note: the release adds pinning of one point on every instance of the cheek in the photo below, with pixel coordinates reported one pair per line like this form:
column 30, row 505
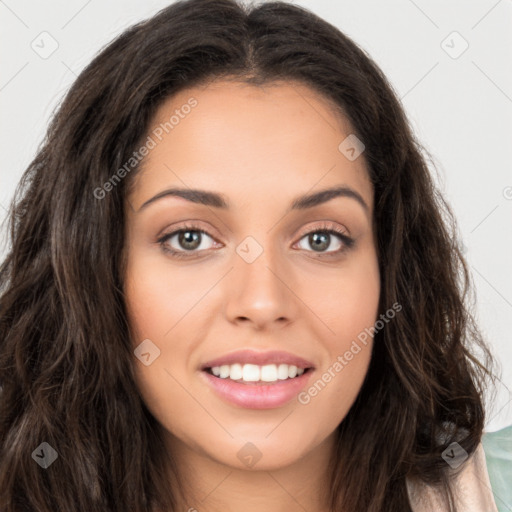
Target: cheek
column 350, row 310
column 337, row 383
column 158, row 297
column 165, row 305
column 350, row 303
column 154, row 308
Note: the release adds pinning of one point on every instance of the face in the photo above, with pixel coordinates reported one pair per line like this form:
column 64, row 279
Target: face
column 246, row 303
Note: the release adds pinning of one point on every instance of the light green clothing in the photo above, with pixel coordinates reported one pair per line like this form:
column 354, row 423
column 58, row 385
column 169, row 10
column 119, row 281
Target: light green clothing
column 498, row 456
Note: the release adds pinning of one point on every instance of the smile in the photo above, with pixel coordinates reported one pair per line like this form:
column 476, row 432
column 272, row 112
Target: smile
column 255, row 373
column 254, row 379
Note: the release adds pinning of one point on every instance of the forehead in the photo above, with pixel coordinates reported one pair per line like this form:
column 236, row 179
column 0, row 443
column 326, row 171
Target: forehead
column 244, row 140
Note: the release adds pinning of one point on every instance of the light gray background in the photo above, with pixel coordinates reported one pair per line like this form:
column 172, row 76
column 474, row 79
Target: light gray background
column 460, row 108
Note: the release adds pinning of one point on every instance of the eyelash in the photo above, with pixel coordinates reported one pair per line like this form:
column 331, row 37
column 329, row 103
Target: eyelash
column 325, row 228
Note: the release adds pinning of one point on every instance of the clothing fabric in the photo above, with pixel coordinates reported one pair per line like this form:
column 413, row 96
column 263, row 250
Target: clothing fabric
column 498, row 453
column 472, row 491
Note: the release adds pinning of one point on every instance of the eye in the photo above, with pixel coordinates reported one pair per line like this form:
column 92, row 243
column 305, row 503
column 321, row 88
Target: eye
column 182, row 242
column 321, row 239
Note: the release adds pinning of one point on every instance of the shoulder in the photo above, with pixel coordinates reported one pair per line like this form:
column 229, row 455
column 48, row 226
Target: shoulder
column 472, row 489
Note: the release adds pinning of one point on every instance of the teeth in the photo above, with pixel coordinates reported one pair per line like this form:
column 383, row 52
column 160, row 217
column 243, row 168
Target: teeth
column 282, row 371
column 235, row 372
column 269, row 373
column 255, row 373
column 250, row 373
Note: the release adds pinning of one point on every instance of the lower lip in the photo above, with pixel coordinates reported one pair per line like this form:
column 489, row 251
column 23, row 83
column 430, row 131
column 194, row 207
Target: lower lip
column 258, row 396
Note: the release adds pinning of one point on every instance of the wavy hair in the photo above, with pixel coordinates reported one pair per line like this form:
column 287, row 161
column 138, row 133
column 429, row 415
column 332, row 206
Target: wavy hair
column 66, row 360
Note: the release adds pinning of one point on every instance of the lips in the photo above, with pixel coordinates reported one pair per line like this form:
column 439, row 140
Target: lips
column 258, row 394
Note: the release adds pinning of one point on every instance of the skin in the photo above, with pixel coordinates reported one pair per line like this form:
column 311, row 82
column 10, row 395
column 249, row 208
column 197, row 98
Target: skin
column 261, row 147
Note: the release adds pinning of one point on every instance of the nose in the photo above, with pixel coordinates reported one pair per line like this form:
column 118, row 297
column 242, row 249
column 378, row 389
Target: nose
column 260, row 293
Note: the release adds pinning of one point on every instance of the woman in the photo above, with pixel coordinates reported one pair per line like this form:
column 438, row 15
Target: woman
column 233, row 284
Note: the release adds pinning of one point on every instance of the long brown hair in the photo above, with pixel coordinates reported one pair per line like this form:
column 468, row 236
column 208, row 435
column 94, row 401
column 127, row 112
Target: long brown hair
column 66, row 360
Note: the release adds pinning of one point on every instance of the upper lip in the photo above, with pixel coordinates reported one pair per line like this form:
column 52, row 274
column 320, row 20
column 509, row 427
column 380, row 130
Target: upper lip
column 259, row 358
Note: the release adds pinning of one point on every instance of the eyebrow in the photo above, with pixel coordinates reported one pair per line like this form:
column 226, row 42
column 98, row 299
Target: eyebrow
column 216, row 200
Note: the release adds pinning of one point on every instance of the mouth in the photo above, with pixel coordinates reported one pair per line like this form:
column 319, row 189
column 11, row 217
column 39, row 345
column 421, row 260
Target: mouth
column 255, row 380
column 252, row 374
